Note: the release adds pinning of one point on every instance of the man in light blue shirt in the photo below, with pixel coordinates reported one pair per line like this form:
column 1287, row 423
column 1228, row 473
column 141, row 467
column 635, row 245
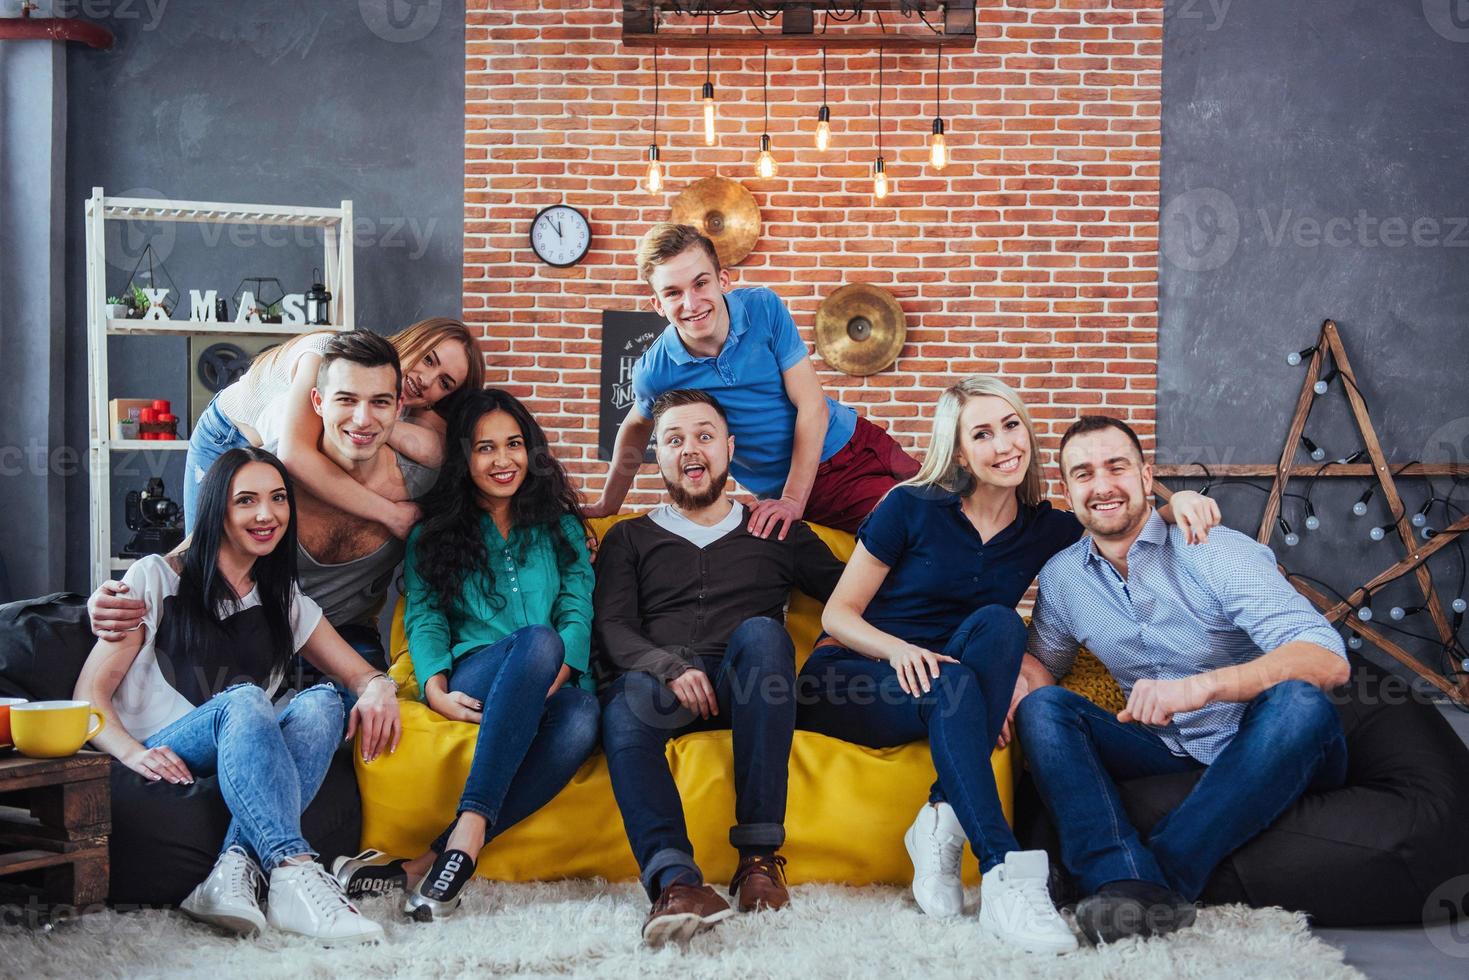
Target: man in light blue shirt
column 1224, row 666
column 802, row 454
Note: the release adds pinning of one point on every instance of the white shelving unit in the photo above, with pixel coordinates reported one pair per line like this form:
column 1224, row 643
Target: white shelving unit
column 336, row 226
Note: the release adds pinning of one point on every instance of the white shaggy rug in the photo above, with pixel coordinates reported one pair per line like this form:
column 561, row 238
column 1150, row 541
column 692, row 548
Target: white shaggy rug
column 590, row 929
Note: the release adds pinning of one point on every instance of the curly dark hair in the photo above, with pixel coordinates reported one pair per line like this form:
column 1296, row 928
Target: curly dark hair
column 449, row 549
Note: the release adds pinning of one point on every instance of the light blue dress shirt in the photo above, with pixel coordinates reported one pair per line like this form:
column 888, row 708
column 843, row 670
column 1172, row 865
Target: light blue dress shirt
column 1182, row 610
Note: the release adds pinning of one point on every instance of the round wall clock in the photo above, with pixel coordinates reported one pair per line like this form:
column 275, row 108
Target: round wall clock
column 560, row 235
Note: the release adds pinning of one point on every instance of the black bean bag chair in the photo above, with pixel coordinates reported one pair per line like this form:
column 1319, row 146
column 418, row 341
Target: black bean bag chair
column 164, row 838
column 1367, row 854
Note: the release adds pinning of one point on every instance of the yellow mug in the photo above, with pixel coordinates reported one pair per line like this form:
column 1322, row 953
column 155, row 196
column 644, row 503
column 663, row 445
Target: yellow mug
column 53, row 729
column 5, row 705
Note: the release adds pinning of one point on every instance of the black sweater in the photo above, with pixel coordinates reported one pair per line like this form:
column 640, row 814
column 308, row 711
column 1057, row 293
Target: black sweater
column 661, row 600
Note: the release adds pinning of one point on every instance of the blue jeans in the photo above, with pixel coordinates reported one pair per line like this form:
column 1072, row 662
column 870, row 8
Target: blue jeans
column 1289, row 741
column 529, row 745
column 269, row 768
column 754, row 681
column 859, row 700
column 213, row 436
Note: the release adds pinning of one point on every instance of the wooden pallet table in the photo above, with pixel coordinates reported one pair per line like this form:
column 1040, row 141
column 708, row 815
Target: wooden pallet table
column 55, row 815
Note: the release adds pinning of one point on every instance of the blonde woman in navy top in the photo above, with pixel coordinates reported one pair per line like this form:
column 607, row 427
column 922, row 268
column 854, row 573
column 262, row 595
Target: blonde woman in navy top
column 924, row 643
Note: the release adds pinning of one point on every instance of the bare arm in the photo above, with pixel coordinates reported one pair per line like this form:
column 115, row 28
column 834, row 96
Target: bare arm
column 842, row 618
column 104, row 670
column 376, row 710
column 420, row 437
column 803, row 388
column 627, row 457
column 300, row 450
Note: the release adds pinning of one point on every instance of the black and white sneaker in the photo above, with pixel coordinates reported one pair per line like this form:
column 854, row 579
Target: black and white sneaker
column 437, row 894
column 370, row 873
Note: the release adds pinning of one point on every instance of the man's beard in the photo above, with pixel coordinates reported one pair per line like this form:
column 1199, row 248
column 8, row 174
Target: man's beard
column 684, row 500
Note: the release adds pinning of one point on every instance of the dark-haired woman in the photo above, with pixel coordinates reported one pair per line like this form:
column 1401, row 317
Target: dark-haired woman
column 190, row 693
column 499, row 612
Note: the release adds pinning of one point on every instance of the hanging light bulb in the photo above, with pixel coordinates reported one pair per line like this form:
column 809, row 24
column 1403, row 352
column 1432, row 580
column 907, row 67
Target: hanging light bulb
column 938, row 153
column 654, row 180
column 1379, row 532
column 706, row 94
column 1295, row 357
column 1360, row 507
column 1313, row 523
column 1459, row 606
column 1317, row 453
column 1321, row 387
column 1354, row 642
column 765, row 163
column 823, row 115
column 1364, row 613
column 879, row 173
column 1421, row 517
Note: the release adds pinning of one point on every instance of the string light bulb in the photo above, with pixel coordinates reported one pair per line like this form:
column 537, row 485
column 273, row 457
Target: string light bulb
column 1379, row 532
column 1459, row 606
column 1360, row 507
column 1295, row 357
column 1291, row 538
column 1420, row 518
column 1322, row 386
column 1364, row 613
column 1354, row 642
column 1313, row 523
column 1317, row 453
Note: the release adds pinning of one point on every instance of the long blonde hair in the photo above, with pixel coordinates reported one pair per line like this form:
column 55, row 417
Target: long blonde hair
column 411, row 343
column 941, row 462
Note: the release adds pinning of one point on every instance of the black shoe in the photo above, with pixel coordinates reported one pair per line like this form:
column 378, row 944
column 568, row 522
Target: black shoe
column 437, row 894
column 1121, row 909
column 370, row 873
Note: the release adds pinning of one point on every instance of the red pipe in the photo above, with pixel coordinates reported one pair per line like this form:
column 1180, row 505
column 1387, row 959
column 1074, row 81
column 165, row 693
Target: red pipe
column 26, row 28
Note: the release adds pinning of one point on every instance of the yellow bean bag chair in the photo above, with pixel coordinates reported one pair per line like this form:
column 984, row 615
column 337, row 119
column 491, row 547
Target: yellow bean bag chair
column 847, row 808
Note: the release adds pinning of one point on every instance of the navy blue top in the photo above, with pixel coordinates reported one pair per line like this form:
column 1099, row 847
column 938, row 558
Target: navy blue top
column 940, row 569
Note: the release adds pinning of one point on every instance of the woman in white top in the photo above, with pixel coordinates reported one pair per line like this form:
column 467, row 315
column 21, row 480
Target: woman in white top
column 270, row 407
column 190, row 692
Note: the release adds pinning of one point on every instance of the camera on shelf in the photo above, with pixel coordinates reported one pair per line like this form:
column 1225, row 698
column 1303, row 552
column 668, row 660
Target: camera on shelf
column 158, row 521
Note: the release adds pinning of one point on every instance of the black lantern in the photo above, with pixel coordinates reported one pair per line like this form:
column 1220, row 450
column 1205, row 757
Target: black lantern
column 316, row 302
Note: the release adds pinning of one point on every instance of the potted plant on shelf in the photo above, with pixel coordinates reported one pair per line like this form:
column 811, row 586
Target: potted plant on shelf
column 116, row 308
column 137, row 302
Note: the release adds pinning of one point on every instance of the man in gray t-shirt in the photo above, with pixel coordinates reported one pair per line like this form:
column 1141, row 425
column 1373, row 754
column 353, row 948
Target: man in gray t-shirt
column 345, row 562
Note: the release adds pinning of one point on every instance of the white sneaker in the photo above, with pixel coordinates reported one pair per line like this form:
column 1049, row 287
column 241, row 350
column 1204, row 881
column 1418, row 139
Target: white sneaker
column 1015, row 904
column 230, row 897
column 308, row 901
column 935, row 845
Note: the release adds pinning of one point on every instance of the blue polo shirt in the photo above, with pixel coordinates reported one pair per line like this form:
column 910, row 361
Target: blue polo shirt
column 746, row 377
column 940, row 569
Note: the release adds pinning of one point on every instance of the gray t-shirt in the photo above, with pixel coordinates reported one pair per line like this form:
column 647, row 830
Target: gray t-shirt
column 353, row 591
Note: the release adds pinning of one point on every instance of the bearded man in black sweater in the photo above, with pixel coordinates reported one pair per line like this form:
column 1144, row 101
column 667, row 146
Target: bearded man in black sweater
column 690, row 610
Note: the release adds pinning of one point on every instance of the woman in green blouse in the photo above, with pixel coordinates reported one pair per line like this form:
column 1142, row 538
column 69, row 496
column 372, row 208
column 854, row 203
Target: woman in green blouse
column 499, row 594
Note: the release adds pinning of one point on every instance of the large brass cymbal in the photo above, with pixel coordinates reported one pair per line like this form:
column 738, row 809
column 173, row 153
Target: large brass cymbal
column 860, row 329
column 724, row 210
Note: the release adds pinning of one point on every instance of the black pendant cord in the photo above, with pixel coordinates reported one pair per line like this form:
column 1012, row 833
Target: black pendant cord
column 879, row 101
column 823, row 76
column 765, row 85
column 708, row 18
column 655, row 96
column 938, row 75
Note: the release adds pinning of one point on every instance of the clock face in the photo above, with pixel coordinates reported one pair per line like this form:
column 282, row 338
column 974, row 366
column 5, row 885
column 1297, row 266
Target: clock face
column 560, row 235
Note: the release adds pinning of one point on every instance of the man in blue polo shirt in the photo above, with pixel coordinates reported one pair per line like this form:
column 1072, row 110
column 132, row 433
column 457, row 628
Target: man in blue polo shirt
column 802, row 454
column 1224, row 666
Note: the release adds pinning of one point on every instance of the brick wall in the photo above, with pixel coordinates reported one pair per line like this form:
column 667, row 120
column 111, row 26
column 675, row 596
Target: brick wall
column 1033, row 255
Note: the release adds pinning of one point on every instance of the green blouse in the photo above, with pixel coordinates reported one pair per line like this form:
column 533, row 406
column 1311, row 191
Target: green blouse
column 533, row 591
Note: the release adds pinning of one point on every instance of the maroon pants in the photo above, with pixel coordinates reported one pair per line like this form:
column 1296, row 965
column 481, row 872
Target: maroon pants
column 851, row 483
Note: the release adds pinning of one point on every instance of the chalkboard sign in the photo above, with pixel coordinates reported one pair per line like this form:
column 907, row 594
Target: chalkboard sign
column 625, row 335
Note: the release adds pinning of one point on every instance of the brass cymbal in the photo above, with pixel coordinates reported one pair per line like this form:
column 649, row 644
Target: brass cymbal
column 860, row 329
column 724, row 210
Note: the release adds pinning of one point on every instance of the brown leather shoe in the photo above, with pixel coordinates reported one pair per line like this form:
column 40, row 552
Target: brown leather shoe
column 760, row 883
column 683, row 911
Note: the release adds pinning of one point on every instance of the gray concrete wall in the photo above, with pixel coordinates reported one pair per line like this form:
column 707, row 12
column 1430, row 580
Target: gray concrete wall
column 262, row 101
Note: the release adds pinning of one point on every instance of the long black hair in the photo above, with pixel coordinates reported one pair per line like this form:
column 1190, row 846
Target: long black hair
column 449, row 549
column 205, row 597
